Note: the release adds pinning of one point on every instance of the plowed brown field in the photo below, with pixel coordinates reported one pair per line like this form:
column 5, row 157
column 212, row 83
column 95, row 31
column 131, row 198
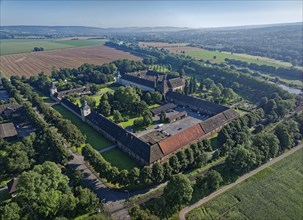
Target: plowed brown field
column 28, row 64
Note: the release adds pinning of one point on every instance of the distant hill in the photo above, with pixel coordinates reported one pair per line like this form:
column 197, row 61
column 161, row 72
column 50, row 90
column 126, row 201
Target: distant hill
column 60, row 31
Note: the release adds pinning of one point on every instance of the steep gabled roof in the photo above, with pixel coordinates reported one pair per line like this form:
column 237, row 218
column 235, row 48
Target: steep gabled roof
column 71, row 105
column 199, row 103
column 181, row 139
column 130, row 141
column 8, row 130
column 231, row 114
column 213, row 123
column 12, row 185
column 12, row 106
column 71, row 91
column 138, row 80
column 164, row 108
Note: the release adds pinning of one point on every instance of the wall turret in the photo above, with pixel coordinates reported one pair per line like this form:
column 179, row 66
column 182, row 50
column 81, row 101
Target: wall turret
column 85, row 110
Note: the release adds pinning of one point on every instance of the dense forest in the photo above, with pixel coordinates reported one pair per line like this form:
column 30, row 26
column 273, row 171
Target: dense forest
column 279, row 42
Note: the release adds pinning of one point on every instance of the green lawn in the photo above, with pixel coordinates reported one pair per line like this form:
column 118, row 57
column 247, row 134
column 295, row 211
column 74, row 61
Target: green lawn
column 220, row 56
column 119, row 159
column 4, row 196
column 93, row 137
column 274, row 193
column 26, row 46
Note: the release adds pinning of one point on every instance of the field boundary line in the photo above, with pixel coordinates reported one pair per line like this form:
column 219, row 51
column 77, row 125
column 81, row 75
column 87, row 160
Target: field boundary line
column 187, row 209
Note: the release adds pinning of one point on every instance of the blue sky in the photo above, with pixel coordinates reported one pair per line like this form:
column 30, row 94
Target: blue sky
column 146, row 13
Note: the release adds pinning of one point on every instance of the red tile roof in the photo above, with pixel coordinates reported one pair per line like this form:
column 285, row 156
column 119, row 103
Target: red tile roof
column 181, row 139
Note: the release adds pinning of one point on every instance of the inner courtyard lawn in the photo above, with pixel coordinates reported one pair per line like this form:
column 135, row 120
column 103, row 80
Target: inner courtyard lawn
column 119, row 159
column 93, row 137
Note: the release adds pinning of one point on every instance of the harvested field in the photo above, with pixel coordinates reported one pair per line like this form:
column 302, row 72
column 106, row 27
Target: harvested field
column 29, row 64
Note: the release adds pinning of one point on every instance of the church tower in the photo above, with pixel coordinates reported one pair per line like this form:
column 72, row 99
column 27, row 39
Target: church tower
column 85, row 110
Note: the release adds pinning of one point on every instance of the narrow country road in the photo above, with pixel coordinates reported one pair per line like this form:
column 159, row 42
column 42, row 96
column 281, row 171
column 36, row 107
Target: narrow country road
column 187, row 209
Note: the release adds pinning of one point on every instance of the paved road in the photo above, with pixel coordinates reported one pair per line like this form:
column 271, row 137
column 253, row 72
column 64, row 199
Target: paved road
column 240, row 180
column 113, row 201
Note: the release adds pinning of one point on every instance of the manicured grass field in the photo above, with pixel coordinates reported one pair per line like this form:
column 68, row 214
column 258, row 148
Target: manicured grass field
column 93, row 137
column 26, row 46
column 274, row 193
column 119, row 159
column 220, row 56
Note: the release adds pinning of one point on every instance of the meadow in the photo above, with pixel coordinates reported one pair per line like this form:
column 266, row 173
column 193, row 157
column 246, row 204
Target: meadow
column 220, row 57
column 26, row 46
column 274, row 193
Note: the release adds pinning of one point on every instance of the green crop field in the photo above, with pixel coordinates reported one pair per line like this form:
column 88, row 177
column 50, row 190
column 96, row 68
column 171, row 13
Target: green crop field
column 93, row 137
column 26, row 46
column 119, row 159
column 274, row 193
column 220, row 56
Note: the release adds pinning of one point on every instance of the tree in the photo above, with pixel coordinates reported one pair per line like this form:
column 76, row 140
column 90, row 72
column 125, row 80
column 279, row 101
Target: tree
column 174, row 163
column 147, row 97
column 241, row 159
column 167, row 170
column 146, row 175
column 147, row 118
column 182, row 159
column 156, row 97
column 216, row 92
column 87, row 200
column 117, row 116
column 10, row 211
column 163, row 117
column 228, row 93
column 213, row 180
column 208, row 83
column 104, row 107
column 187, row 87
column 157, row 172
column 44, row 192
column 235, row 85
column 133, row 176
column 202, row 159
column 190, row 155
column 178, row 191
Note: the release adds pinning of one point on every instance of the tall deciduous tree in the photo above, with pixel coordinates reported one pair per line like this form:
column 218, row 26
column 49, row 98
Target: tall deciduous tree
column 44, row 192
column 178, row 190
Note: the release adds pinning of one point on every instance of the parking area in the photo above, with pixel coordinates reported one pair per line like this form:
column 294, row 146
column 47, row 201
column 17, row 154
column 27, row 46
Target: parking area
column 173, row 128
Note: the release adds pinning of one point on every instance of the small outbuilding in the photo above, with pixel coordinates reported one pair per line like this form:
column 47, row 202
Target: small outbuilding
column 12, row 186
column 8, row 131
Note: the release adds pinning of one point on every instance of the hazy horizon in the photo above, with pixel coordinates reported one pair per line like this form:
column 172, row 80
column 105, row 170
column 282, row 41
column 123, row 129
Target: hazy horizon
column 119, row 14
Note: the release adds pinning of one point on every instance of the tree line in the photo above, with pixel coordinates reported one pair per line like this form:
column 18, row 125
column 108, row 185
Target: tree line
column 287, row 73
column 194, row 156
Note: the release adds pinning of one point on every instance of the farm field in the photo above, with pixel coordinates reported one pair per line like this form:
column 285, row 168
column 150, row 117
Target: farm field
column 26, row 46
column 220, row 56
column 119, row 159
column 29, row 64
column 93, row 137
column 274, row 193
